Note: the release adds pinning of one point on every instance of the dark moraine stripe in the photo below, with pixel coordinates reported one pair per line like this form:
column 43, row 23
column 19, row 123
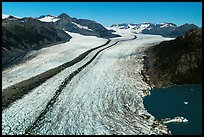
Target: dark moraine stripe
column 16, row 91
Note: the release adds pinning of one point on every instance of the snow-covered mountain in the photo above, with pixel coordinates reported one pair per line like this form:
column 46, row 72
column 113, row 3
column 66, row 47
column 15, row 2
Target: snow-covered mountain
column 134, row 27
column 67, row 23
column 81, row 26
column 166, row 24
column 164, row 29
column 48, row 18
column 4, row 16
column 142, row 26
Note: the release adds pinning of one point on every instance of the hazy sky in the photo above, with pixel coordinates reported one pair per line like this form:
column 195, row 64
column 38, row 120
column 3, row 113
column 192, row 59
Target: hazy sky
column 108, row 13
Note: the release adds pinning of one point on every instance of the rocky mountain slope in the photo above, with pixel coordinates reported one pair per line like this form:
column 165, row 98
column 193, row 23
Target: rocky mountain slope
column 176, row 62
column 81, row 26
column 22, row 35
column 163, row 29
column 181, row 30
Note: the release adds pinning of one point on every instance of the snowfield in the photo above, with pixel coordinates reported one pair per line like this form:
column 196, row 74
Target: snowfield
column 105, row 97
column 49, row 19
column 81, row 27
column 4, row 16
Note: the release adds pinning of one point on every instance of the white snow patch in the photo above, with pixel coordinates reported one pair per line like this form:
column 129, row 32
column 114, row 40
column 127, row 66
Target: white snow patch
column 166, row 25
column 49, row 19
column 132, row 28
column 13, row 19
column 6, row 16
column 81, row 27
column 149, row 28
column 141, row 27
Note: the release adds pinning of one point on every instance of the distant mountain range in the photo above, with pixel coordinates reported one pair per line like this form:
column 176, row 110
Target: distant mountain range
column 163, row 29
column 92, row 28
column 67, row 23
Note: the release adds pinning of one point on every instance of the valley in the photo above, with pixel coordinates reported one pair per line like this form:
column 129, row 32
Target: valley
column 105, row 97
column 73, row 68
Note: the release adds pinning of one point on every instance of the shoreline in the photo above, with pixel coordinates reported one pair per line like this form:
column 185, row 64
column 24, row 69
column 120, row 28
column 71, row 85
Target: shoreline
column 148, row 80
column 159, row 105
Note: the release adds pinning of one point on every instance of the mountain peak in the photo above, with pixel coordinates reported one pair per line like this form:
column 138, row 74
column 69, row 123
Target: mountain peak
column 188, row 24
column 63, row 15
column 43, row 16
column 4, row 16
column 167, row 24
column 48, row 18
column 145, row 23
column 50, row 15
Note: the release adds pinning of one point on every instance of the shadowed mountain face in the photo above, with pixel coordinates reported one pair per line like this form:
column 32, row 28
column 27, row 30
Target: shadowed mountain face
column 178, row 61
column 181, row 30
column 163, row 29
column 82, row 26
column 169, row 30
column 22, row 35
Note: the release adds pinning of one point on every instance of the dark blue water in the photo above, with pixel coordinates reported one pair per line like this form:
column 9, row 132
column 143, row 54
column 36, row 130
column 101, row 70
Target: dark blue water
column 169, row 102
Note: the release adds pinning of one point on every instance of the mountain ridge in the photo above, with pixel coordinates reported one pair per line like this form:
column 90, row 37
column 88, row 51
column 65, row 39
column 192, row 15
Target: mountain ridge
column 164, row 29
column 82, row 26
column 177, row 61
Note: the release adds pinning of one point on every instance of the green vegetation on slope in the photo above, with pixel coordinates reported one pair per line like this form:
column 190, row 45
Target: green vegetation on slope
column 178, row 61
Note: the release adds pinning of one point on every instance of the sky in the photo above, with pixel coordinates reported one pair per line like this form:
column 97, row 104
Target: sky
column 108, row 13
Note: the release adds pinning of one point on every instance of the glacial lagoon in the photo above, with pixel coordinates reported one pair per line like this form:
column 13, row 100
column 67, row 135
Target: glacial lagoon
column 184, row 100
